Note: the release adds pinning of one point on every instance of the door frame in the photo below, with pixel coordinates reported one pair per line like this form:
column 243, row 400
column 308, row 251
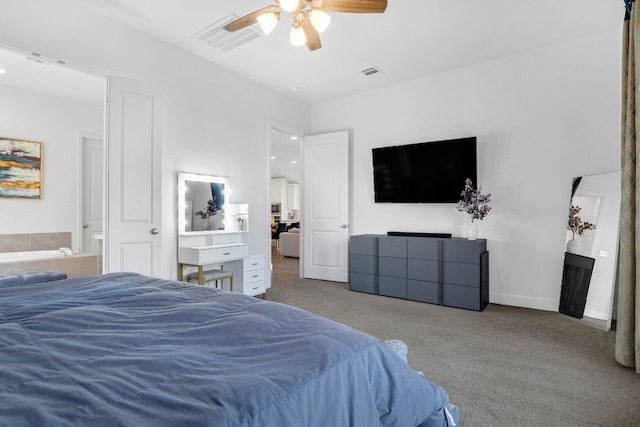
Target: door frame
column 82, row 136
column 301, row 135
column 103, row 75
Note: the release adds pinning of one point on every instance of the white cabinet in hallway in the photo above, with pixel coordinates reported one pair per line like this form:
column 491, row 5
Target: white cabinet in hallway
column 279, row 190
column 293, row 196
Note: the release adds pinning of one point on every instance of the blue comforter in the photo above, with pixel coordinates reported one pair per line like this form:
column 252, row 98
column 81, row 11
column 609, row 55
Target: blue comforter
column 130, row 350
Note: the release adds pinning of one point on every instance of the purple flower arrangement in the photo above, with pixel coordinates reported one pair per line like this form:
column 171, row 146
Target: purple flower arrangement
column 473, row 201
column 576, row 225
column 210, row 210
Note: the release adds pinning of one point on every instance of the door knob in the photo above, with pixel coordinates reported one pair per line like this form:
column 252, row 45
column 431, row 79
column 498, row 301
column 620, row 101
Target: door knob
column 85, row 225
column 343, row 226
column 154, row 231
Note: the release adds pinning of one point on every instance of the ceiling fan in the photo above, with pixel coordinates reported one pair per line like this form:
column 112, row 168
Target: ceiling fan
column 309, row 17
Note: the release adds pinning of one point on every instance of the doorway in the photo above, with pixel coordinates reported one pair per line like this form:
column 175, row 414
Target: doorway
column 76, row 98
column 91, row 193
column 285, row 201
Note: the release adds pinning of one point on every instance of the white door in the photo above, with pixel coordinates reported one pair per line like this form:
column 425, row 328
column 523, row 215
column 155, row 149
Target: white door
column 92, row 184
column 325, row 223
column 133, row 180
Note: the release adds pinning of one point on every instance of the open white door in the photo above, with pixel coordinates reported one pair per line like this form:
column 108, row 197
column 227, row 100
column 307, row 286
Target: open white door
column 325, row 223
column 133, row 179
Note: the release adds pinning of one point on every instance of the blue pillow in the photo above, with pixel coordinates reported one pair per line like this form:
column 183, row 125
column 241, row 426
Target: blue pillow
column 31, row 277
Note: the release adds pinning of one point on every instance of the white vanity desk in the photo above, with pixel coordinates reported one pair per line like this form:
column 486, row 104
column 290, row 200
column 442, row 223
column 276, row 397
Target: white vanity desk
column 222, row 241
column 226, row 250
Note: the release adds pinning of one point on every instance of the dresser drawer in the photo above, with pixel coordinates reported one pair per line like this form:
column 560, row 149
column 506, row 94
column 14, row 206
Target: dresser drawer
column 461, row 297
column 423, row 248
column 423, row 270
column 418, row 290
column 363, row 283
column 456, row 273
column 392, row 246
column 364, row 245
column 392, row 267
column 392, row 287
column 465, row 251
column 364, row 264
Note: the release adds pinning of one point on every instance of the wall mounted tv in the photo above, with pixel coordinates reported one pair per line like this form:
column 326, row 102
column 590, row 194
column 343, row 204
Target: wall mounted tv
column 428, row 172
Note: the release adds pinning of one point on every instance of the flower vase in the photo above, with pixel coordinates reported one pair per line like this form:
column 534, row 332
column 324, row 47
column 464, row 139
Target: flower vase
column 206, row 225
column 472, row 231
column 572, row 246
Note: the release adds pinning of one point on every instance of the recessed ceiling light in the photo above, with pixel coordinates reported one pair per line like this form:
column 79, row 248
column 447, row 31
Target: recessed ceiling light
column 293, row 162
column 294, row 138
column 2, row 71
column 294, row 88
column 273, row 157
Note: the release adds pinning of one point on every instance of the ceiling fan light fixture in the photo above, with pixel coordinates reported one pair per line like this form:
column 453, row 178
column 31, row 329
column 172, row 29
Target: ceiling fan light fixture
column 268, row 21
column 289, row 5
column 319, row 20
column 297, row 36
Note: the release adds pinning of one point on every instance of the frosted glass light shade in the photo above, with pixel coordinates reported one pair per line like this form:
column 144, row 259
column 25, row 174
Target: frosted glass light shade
column 289, row 5
column 297, row 37
column 319, row 20
column 268, row 22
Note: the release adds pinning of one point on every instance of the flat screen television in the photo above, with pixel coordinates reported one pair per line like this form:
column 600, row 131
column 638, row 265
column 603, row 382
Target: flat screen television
column 428, row 172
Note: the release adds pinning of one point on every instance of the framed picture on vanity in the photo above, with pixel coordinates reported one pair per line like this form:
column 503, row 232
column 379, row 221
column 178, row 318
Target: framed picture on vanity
column 20, row 169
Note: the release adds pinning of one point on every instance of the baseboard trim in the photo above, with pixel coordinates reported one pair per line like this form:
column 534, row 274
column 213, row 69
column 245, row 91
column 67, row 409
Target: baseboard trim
column 589, row 321
column 526, row 302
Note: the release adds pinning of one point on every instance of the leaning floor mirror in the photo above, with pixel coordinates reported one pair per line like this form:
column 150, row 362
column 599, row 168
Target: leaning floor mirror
column 591, row 241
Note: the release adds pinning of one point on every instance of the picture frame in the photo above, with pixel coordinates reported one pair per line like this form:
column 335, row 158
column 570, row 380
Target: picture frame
column 20, row 169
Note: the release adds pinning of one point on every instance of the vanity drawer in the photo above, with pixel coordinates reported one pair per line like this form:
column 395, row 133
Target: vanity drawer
column 255, row 262
column 253, row 276
column 199, row 255
column 255, row 288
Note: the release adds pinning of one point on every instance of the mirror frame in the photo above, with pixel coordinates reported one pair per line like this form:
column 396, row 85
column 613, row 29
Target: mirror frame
column 602, row 284
column 183, row 178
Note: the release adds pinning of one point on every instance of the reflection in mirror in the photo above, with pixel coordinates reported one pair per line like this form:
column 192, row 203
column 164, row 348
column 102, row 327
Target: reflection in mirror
column 583, row 215
column 591, row 249
column 202, row 202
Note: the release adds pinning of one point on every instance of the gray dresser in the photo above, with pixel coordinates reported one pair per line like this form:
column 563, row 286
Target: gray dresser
column 452, row 272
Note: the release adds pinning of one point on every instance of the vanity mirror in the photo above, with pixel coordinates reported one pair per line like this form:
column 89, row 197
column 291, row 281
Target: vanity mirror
column 202, row 203
column 591, row 242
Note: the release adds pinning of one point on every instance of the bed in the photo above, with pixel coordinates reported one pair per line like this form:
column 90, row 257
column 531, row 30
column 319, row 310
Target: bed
column 124, row 349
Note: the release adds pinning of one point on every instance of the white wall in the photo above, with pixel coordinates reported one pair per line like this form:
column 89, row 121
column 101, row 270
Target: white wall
column 541, row 118
column 213, row 121
column 57, row 123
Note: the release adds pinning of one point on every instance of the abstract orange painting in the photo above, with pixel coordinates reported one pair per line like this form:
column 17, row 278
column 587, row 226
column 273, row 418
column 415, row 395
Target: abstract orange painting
column 20, row 169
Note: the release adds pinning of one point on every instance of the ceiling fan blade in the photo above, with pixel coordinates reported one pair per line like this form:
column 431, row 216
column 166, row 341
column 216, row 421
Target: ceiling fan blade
column 250, row 19
column 351, row 6
column 310, row 32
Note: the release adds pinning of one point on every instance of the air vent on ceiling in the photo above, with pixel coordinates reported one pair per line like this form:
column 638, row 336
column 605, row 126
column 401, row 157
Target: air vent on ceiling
column 370, row 71
column 215, row 35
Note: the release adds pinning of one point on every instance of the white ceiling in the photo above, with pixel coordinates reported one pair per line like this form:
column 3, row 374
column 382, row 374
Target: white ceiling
column 30, row 72
column 413, row 38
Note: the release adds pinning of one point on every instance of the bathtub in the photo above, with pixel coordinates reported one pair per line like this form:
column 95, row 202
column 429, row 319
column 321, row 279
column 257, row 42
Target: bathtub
column 7, row 257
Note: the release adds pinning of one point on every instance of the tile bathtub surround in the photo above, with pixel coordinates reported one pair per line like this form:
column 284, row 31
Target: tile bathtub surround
column 47, row 241
column 15, row 242
column 34, row 241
